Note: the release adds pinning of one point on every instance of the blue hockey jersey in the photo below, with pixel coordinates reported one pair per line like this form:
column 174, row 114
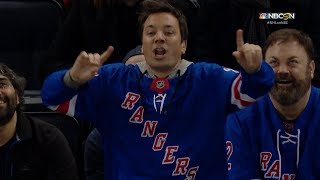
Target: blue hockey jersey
column 174, row 134
column 258, row 147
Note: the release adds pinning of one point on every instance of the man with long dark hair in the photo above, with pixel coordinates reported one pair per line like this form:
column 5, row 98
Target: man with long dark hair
column 29, row 147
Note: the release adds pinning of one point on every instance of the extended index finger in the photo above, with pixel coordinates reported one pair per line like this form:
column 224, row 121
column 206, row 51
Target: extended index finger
column 105, row 55
column 239, row 39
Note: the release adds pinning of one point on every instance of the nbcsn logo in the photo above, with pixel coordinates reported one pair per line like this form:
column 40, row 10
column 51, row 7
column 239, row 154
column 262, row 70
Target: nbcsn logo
column 274, row 16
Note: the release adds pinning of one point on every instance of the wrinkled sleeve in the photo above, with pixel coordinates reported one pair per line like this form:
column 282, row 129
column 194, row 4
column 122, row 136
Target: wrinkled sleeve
column 246, row 88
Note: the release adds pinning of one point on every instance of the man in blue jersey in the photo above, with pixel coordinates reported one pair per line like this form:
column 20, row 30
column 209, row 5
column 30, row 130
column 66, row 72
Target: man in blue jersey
column 275, row 138
column 162, row 118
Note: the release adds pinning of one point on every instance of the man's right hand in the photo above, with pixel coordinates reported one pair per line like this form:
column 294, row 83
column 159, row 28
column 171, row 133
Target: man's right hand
column 87, row 65
column 249, row 56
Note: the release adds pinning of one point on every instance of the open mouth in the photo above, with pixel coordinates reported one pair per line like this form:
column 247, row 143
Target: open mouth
column 159, row 52
column 2, row 103
column 3, row 100
column 283, row 82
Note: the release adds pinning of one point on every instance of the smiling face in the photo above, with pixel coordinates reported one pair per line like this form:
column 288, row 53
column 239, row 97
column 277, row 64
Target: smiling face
column 162, row 44
column 293, row 70
column 8, row 100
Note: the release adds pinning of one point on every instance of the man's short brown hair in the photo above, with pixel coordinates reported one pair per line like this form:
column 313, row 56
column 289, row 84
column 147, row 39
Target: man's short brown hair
column 285, row 35
column 157, row 6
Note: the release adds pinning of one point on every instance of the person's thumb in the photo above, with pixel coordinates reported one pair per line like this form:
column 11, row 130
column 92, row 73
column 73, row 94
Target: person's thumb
column 106, row 54
column 237, row 55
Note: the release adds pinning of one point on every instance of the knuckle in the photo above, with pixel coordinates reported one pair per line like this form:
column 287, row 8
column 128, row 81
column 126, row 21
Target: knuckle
column 83, row 54
column 245, row 49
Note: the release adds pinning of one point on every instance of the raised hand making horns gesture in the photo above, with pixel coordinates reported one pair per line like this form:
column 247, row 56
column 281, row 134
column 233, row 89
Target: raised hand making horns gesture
column 87, row 65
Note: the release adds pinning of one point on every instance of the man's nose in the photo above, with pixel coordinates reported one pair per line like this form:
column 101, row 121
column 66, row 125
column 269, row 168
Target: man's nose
column 282, row 68
column 159, row 37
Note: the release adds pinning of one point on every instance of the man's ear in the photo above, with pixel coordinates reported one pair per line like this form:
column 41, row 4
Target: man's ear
column 18, row 99
column 183, row 46
column 312, row 67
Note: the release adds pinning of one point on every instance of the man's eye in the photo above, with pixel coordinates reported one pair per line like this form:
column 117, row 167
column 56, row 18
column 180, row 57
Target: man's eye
column 3, row 85
column 169, row 32
column 272, row 62
column 293, row 61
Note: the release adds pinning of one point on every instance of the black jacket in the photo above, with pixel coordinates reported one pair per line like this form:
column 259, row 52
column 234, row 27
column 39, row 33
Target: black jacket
column 40, row 153
column 211, row 39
